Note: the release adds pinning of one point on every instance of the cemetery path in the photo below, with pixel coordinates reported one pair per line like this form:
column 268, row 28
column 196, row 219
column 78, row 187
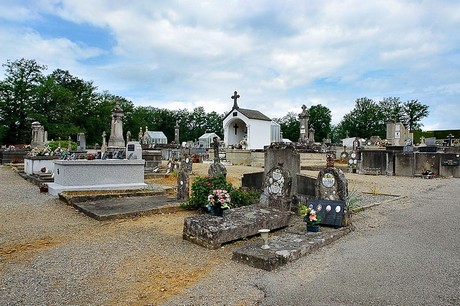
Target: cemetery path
column 52, row 254
column 403, row 253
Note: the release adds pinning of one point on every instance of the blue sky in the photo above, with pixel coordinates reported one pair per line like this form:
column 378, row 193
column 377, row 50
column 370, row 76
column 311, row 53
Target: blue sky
column 278, row 55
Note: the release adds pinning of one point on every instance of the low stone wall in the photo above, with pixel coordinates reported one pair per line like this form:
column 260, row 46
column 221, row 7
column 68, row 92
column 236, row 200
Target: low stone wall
column 239, row 157
column 9, row 157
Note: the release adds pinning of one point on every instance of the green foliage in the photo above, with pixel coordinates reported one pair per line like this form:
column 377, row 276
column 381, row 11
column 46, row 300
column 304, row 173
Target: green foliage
column 320, row 120
column 202, row 187
column 353, row 199
column 242, row 197
column 414, row 111
column 290, row 126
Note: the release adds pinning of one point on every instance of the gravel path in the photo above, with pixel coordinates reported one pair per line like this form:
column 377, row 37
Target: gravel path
column 52, row 254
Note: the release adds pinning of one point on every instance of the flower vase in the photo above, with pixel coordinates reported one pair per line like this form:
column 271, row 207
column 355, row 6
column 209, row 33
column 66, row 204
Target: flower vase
column 313, row 228
column 217, row 211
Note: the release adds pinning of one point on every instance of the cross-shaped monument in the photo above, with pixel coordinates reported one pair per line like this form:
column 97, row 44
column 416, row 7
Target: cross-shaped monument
column 235, row 100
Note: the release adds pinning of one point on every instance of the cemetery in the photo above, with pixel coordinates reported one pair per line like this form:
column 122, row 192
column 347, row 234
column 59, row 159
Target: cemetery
column 291, row 212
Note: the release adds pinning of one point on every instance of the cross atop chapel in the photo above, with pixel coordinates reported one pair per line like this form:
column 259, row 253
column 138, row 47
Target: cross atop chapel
column 235, row 100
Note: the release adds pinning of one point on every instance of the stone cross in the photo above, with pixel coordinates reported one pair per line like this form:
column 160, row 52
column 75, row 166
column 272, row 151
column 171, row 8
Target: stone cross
column 236, row 128
column 235, row 100
column 215, row 145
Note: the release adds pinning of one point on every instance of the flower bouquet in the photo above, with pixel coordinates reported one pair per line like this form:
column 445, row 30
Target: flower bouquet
column 312, row 220
column 219, row 200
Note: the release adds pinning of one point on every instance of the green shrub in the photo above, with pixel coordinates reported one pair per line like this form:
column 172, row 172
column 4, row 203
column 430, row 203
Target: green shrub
column 242, row 197
column 202, row 187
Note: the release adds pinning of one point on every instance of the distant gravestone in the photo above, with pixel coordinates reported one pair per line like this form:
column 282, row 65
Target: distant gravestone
column 38, row 135
column 277, row 188
column 134, row 150
column 183, row 183
column 331, row 188
column 216, row 168
column 81, row 142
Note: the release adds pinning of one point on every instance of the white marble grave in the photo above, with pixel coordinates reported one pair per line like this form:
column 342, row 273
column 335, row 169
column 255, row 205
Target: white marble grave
column 110, row 174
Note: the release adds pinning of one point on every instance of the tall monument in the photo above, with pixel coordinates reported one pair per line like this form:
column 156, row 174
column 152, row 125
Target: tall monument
column 304, row 116
column 116, row 132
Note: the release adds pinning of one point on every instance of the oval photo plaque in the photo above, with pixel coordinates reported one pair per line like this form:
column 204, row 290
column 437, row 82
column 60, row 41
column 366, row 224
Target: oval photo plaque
column 328, row 180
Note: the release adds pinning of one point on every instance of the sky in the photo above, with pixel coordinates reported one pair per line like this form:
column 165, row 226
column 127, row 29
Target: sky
column 278, row 55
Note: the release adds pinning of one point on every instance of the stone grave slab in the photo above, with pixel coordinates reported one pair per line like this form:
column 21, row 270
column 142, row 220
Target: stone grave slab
column 211, row 231
column 286, row 248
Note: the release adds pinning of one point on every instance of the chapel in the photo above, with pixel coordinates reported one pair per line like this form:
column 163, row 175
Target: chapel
column 249, row 128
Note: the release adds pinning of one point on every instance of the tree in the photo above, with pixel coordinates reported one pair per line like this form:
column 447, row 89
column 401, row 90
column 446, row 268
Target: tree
column 290, row 126
column 365, row 120
column 18, row 92
column 392, row 109
column 414, row 112
column 320, row 120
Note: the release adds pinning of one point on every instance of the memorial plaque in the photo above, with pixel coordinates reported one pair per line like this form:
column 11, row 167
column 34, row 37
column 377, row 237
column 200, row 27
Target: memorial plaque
column 130, row 147
column 330, row 211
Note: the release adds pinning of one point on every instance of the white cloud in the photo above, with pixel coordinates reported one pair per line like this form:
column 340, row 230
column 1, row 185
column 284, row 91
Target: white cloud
column 278, row 55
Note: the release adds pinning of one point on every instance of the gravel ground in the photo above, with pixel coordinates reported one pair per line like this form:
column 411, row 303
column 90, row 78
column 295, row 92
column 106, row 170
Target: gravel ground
column 52, row 254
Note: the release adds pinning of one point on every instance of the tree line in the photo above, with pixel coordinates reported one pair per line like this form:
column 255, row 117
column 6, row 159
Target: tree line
column 66, row 105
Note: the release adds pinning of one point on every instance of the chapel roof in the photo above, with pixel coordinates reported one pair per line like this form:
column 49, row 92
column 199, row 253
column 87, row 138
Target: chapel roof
column 250, row 114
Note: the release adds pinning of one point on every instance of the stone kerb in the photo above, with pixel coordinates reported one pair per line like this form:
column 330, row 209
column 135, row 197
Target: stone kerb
column 211, row 231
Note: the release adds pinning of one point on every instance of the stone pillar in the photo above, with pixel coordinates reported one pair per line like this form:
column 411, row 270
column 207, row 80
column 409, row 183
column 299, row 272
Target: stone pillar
column 116, row 132
column 303, row 119
column 176, row 133
column 81, row 142
column 38, row 135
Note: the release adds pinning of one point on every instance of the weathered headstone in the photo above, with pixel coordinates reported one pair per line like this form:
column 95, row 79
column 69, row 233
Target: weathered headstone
column 287, row 155
column 38, row 135
column 81, row 142
column 277, row 188
column 104, row 143
column 331, row 189
column 303, row 119
column 216, row 168
column 116, row 132
column 134, row 150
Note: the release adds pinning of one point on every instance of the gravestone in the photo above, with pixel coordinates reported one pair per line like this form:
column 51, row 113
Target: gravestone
column 133, row 150
column 38, row 135
column 277, row 189
column 104, row 143
column 183, row 180
column 216, row 168
column 331, row 188
column 116, row 132
column 287, row 155
column 81, row 142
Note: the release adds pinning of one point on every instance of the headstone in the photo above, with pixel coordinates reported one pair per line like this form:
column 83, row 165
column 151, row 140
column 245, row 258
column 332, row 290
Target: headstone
column 134, row 150
column 311, row 134
column 183, row 179
column 116, row 132
column 104, row 143
column 38, row 135
column 277, row 188
column 331, row 184
column 81, row 142
column 286, row 154
column 331, row 188
column 176, row 132
column 216, row 168
column 303, row 119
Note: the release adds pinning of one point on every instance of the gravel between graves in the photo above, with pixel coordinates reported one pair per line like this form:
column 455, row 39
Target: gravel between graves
column 52, row 254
